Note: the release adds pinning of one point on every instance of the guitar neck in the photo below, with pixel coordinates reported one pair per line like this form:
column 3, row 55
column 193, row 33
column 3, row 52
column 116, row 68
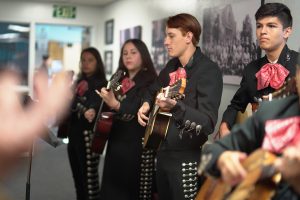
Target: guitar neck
column 108, row 86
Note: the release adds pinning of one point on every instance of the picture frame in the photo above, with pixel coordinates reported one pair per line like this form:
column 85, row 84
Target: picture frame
column 108, row 62
column 130, row 33
column 229, row 39
column 159, row 53
column 109, row 31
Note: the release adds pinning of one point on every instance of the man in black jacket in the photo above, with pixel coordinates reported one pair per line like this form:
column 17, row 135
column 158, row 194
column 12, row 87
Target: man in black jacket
column 193, row 118
column 275, row 128
column 267, row 74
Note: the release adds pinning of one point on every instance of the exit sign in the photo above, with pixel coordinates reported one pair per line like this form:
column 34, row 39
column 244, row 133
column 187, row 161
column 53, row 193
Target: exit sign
column 64, row 11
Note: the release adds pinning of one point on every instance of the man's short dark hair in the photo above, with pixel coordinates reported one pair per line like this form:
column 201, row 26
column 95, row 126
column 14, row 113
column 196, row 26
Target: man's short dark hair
column 186, row 23
column 275, row 10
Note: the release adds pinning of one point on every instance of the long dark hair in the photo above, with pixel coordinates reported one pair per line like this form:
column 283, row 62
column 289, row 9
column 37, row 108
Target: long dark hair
column 99, row 73
column 147, row 64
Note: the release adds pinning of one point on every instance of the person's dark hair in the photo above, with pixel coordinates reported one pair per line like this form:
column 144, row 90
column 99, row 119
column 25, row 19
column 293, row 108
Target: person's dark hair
column 147, row 64
column 186, row 23
column 45, row 57
column 275, row 10
column 99, row 73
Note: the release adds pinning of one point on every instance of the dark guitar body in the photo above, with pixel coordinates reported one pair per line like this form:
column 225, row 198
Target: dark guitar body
column 156, row 130
column 100, row 138
column 159, row 120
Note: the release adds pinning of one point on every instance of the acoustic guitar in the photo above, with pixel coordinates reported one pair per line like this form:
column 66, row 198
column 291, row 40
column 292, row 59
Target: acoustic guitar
column 259, row 184
column 159, row 120
column 104, row 120
column 287, row 89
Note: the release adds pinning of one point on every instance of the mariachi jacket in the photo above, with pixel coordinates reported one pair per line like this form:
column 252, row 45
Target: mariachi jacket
column 247, row 92
column 196, row 115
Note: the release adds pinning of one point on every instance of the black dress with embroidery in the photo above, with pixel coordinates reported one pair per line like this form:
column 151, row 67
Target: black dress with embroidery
column 122, row 165
column 84, row 163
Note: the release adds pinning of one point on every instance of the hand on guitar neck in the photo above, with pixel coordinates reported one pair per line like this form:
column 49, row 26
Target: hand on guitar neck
column 107, row 94
column 165, row 103
column 109, row 98
column 231, row 168
column 162, row 101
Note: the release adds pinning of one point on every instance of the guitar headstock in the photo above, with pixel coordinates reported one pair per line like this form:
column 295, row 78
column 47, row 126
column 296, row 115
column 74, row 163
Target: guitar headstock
column 176, row 91
column 114, row 81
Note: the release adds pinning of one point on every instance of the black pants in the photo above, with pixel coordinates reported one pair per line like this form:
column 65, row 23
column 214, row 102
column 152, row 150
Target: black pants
column 176, row 174
column 84, row 166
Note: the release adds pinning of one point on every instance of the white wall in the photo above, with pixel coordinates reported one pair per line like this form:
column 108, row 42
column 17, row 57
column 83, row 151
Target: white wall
column 33, row 13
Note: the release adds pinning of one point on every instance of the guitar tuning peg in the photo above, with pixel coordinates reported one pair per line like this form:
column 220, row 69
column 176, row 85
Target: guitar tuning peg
column 187, row 123
column 198, row 129
column 193, row 125
column 119, row 87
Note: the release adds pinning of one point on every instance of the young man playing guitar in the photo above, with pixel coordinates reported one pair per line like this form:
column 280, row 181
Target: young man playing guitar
column 275, row 128
column 193, row 118
column 266, row 74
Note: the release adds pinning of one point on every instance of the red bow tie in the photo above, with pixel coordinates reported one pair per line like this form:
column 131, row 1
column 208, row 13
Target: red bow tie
column 281, row 133
column 82, row 87
column 176, row 75
column 271, row 74
column 127, row 84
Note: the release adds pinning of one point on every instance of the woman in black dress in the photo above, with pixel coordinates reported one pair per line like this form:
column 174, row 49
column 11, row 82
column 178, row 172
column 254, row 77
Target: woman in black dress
column 122, row 168
column 86, row 102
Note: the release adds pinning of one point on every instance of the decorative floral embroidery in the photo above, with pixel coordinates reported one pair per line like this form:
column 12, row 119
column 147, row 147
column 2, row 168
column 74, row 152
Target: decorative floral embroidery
column 82, row 87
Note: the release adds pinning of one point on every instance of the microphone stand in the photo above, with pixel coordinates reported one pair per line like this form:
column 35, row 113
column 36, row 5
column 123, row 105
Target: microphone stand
column 29, row 172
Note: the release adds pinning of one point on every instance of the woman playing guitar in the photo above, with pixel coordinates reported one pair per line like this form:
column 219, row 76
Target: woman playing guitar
column 124, row 160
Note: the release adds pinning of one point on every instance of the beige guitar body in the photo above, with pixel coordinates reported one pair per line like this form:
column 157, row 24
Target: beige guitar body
column 241, row 117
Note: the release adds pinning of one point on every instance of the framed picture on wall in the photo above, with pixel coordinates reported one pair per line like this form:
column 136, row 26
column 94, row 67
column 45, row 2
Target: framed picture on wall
column 130, row 33
column 109, row 31
column 159, row 53
column 229, row 37
column 108, row 62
